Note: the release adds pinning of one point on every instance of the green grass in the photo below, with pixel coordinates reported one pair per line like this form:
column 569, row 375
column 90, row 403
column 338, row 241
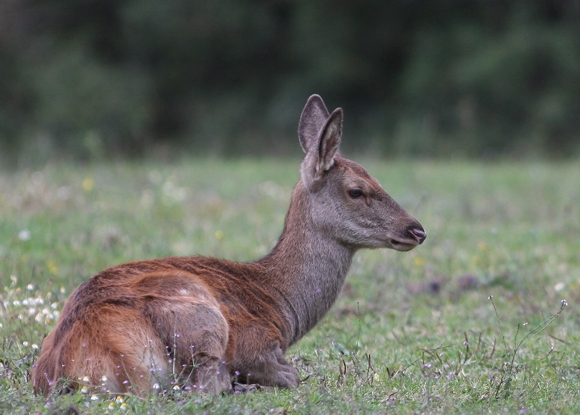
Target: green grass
column 412, row 332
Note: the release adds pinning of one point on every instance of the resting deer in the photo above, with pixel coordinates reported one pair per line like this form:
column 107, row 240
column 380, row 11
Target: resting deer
column 200, row 321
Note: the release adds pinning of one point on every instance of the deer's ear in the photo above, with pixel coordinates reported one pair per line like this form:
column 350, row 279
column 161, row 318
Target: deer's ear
column 313, row 117
column 320, row 157
column 329, row 140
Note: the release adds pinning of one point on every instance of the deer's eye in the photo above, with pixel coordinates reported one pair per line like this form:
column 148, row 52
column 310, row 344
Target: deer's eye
column 355, row 193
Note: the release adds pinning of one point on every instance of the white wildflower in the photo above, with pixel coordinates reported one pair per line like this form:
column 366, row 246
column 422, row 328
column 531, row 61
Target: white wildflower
column 24, row 235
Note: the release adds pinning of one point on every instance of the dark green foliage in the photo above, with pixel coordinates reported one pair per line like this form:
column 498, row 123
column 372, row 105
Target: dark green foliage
column 98, row 78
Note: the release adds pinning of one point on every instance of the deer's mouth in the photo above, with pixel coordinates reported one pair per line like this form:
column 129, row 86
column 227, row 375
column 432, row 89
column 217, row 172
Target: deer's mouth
column 416, row 237
column 402, row 245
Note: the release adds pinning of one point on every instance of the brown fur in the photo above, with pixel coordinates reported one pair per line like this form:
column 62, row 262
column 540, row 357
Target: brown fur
column 200, row 321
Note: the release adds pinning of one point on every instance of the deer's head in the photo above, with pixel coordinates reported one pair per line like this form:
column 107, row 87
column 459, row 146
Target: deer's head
column 347, row 203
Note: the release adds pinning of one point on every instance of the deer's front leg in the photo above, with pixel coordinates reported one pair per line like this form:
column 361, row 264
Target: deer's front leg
column 268, row 368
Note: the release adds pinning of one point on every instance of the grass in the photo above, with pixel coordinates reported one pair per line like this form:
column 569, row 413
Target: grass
column 470, row 322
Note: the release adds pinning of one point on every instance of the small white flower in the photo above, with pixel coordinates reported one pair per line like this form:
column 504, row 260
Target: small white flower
column 63, row 193
column 85, row 389
column 24, row 235
column 559, row 287
column 94, row 397
column 86, row 379
column 30, row 287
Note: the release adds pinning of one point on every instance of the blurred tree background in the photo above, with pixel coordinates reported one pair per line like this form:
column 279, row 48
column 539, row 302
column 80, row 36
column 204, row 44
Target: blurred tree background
column 88, row 79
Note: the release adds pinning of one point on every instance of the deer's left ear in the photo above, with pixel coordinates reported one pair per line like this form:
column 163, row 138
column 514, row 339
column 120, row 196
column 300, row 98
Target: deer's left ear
column 320, row 158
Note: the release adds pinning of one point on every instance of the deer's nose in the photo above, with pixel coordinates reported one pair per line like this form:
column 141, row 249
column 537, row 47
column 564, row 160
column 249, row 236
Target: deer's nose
column 419, row 234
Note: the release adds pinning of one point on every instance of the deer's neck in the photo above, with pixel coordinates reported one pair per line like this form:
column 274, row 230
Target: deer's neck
column 308, row 268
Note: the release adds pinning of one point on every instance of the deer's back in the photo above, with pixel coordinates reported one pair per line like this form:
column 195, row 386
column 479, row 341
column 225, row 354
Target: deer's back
column 238, row 288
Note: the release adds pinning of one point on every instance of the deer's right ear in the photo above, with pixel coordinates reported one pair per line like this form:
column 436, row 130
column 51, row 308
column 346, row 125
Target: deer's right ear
column 320, row 157
column 313, row 118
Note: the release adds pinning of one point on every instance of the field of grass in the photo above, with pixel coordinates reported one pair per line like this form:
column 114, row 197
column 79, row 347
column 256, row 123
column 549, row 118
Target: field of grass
column 472, row 321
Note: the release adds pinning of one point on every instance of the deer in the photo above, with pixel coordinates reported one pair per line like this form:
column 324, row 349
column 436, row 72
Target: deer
column 204, row 323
